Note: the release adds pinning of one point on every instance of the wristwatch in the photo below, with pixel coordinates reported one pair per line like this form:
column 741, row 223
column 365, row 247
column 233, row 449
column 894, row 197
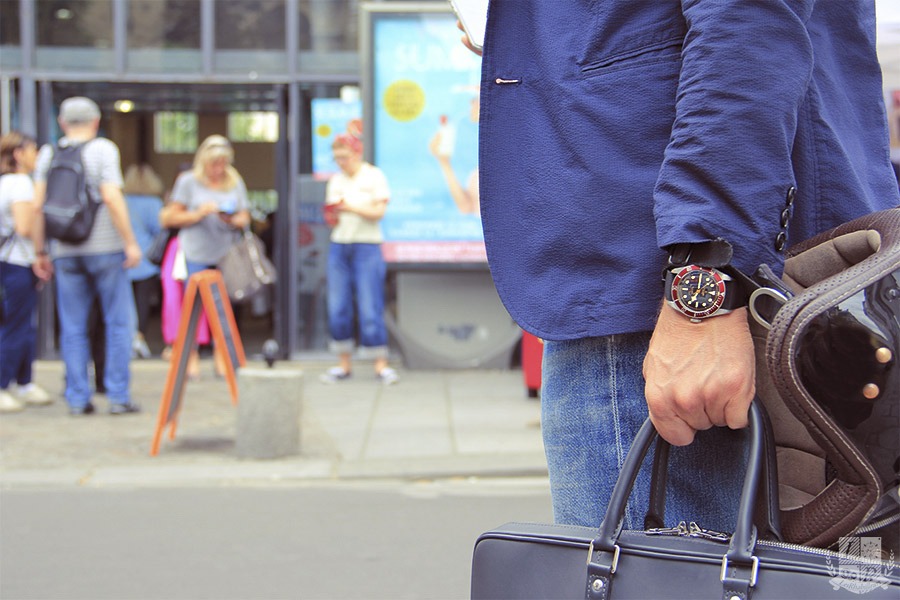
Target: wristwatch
column 702, row 292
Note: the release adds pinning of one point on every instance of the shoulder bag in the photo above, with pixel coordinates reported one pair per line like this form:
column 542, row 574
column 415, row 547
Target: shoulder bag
column 156, row 251
column 245, row 269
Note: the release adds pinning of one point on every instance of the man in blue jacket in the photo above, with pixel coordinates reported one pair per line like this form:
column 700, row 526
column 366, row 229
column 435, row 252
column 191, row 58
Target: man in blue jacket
column 623, row 139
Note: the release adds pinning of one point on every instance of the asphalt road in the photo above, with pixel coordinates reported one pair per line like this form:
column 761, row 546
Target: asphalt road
column 378, row 539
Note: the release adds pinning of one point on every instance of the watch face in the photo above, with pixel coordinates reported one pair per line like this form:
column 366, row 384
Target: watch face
column 698, row 292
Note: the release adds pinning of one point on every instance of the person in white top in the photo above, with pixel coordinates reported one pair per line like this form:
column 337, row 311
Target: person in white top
column 18, row 284
column 355, row 202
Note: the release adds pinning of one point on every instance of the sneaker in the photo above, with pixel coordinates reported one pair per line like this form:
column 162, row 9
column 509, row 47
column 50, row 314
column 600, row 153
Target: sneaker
column 124, row 409
column 78, row 411
column 388, row 376
column 8, row 403
column 32, row 394
column 139, row 348
column 333, row 375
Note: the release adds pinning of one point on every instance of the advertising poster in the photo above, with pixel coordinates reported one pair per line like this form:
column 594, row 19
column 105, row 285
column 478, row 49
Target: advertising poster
column 425, row 111
column 330, row 117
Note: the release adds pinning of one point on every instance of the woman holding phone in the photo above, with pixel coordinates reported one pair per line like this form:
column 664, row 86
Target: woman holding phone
column 355, row 202
column 210, row 207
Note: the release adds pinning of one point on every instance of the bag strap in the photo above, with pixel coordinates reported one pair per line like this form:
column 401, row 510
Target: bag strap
column 603, row 555
column 767, row 517
column 9, row 241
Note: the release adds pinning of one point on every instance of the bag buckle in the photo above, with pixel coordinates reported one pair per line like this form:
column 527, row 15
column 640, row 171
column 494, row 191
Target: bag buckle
column 615, row 560
column 777, row 296
column 754, row 569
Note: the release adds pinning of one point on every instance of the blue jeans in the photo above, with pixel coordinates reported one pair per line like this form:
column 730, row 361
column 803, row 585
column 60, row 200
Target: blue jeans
column 592, row 407
column 79, row 279
column 17, row 332
column 356, row 275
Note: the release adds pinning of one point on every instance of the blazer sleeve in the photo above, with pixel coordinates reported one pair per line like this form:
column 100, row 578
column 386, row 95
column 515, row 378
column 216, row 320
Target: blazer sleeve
column 746, row 67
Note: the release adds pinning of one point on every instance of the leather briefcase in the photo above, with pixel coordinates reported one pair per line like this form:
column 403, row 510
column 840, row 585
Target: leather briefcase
column 522, row 560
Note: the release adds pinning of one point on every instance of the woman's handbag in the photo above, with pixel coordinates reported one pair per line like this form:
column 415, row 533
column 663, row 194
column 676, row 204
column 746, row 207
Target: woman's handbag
column 157, row 248
column 521, row 560
column 245, row 269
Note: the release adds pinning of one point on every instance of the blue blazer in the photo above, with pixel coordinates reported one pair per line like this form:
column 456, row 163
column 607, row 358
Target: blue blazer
column 612, row 129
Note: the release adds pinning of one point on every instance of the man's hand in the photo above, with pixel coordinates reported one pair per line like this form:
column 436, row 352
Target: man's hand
column 133, row 255
column 699, row 375
column 42, row 268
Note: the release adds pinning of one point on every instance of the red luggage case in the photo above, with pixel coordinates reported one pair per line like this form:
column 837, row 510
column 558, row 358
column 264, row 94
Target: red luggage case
column 532, row 354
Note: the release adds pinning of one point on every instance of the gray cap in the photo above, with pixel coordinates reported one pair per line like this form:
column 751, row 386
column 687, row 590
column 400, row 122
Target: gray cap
column 78, row 109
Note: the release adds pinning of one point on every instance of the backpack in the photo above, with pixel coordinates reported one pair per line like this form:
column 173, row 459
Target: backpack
column 69, row 209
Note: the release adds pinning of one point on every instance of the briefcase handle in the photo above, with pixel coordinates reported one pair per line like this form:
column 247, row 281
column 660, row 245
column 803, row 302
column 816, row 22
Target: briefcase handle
column 767, row 514
column 604, row 552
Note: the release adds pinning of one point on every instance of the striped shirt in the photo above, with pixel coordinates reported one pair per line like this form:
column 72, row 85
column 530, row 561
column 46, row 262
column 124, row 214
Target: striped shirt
column 102, row 165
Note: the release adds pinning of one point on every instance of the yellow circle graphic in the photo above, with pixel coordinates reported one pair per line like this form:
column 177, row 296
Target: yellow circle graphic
column 323, row 130
column 404, row 100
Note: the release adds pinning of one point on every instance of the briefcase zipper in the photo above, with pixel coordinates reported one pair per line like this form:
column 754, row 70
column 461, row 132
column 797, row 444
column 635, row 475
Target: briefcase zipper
column 693, row 530
column 877, row 524
column 690, row 530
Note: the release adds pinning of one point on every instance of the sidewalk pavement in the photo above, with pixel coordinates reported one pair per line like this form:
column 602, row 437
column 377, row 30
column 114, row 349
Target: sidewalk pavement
column 433, row 423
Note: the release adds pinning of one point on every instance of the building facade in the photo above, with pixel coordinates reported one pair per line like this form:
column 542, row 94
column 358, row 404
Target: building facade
column 167, row 73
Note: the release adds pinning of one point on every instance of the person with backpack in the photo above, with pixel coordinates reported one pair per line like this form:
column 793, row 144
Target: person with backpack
column 82, row 212
column 18, row 285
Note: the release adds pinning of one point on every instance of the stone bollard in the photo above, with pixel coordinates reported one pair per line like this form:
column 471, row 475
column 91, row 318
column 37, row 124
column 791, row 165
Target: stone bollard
column 268, row 419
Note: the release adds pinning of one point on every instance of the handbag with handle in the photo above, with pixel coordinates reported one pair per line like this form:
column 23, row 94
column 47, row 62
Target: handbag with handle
column 156, row 251
column 522, row 560
column 245, row 269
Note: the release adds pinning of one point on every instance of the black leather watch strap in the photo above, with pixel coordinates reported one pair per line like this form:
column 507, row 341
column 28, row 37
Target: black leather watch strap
column 716, row 253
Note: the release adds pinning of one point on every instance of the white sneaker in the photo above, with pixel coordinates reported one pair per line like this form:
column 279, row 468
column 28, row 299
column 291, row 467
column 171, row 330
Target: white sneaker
column 139, row 348
column 334, row 375
column 388, row 376
column 32, row 394
column 8, row 403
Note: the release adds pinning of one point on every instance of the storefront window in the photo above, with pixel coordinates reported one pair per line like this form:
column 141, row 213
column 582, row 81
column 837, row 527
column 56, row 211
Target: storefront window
column 164, row 35
column 329, row 36
column 253, row 126
column 250, row 36
column 74, row 34
column 10, row 38
column 176, row 132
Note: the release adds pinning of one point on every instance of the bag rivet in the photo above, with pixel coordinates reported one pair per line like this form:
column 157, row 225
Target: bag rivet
column 597, row 585
column 870, row 391
column 884, row 355
column 735, row 598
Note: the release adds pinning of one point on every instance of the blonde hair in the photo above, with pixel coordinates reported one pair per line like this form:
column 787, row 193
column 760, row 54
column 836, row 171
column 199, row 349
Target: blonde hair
column 213, row 147
column 142, row 180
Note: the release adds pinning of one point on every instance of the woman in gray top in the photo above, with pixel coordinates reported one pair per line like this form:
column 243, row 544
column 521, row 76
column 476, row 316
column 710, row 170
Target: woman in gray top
column 209, row 205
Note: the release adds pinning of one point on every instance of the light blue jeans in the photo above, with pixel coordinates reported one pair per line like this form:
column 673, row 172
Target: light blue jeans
column 79, row 279
column 592, row 407
column 356, row 275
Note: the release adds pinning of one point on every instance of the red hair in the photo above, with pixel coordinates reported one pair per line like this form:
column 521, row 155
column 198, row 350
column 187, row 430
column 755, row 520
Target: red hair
column 346, row 140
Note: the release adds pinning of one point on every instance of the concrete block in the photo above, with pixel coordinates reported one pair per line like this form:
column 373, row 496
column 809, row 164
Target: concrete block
column 269, row 408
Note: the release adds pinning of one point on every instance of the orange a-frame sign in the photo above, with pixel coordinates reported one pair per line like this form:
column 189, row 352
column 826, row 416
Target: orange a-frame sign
column 205, row 292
